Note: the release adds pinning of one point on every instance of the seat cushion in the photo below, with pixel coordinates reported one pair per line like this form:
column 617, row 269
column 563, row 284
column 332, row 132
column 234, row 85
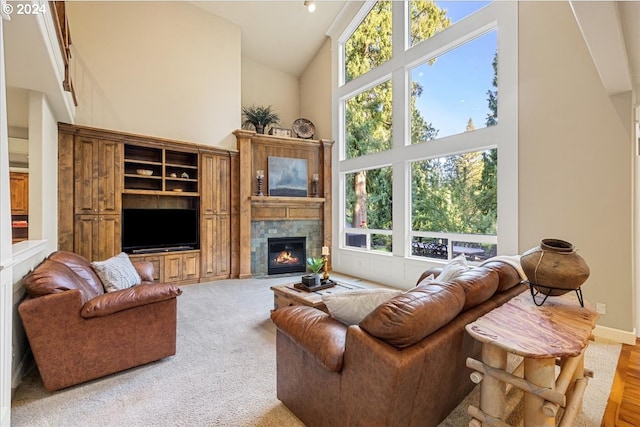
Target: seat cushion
column 408, row 318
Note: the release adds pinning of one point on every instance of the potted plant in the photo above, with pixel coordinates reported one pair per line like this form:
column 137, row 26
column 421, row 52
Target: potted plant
column 315, row 265
column 259, row 117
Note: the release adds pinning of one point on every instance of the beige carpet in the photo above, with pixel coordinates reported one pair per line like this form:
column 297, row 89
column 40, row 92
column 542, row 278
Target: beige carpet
column 223, row 374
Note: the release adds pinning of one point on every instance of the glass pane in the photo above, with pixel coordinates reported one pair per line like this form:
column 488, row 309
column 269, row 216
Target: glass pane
column 474, row 251
column 370, row 44
column 429, row 17
column 368, row 121
column 455, row 194
column 356, row 240
column 429, row 247
column 368, row 199
column 455, row 92
column 381, row 242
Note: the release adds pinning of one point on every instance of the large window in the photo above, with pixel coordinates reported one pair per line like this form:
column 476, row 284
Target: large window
column 427, row 171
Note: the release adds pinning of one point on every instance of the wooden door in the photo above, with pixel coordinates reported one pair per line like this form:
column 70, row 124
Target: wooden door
column 19, row 188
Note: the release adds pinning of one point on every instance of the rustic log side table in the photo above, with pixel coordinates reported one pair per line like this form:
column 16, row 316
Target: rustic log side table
column 555, row 333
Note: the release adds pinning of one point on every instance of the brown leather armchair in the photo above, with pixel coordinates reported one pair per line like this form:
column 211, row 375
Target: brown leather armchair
column 77, row 332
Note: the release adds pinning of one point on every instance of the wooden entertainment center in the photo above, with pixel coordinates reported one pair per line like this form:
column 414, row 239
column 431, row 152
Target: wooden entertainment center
column 102, row 173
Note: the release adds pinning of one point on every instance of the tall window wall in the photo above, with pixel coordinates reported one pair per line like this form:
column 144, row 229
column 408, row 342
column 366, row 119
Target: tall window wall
column 426, row 108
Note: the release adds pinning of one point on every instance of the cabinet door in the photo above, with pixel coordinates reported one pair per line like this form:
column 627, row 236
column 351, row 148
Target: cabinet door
column 215, row 191
column 109, row 177
column 97, row 237
column 85, row 235
column 85, row 179
column 223, row 254
column 191, row 266
column 208, row 248
column 223, row 189
column 97, row 176
column 109, row 237
column 19, row 186
column 173, row 268
column 215, row 245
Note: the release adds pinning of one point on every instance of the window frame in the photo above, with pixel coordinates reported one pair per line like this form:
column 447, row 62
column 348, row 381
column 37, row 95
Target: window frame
column 501, row 16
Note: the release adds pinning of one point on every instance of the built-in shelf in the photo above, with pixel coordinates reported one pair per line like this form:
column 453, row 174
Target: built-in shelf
column 160, row 171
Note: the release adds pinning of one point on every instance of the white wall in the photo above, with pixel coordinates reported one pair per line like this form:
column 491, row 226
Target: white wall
column 157, row 68
column 315, row 92
column 262, row 85
column 575, row 167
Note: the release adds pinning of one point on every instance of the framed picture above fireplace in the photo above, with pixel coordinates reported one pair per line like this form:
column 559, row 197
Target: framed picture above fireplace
column 287, row 177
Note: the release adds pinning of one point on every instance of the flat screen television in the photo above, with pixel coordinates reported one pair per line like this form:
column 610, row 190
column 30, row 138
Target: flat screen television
column 150, row 230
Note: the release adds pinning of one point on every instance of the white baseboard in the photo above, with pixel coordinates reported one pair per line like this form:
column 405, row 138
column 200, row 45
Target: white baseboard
column 617, row 335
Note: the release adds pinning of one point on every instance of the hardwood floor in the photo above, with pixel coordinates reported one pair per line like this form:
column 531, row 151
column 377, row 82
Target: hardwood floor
column 623, row 407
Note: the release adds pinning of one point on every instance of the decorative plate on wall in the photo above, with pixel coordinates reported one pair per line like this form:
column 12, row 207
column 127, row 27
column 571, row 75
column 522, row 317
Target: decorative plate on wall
column 304, row 128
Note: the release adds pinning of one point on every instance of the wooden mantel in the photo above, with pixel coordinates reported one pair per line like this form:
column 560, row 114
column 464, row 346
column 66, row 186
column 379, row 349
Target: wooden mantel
column 255, row 149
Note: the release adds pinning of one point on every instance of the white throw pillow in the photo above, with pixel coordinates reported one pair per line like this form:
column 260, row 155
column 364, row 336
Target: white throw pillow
column 117, row 273
column 453, row 269
column 350, row 307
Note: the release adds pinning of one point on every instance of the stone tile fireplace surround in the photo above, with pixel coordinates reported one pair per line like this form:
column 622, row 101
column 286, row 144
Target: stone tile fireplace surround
column 261, row 231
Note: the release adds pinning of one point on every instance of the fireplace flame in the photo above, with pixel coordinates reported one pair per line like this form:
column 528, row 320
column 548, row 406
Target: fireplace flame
column 286, row 257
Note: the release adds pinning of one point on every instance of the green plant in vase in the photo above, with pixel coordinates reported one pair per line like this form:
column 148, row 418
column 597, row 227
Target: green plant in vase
column 315, row 265
column 259, row 117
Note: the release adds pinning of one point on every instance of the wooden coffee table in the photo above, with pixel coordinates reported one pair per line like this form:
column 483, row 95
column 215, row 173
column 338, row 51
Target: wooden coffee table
column 286, row 295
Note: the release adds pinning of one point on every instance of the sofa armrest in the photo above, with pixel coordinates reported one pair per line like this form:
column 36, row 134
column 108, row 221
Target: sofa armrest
column 135, row 296
column 320, row 335
column 144, row 269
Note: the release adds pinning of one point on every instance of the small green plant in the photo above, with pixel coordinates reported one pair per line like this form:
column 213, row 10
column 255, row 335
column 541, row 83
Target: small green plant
column 259, row 117
column 315, row 264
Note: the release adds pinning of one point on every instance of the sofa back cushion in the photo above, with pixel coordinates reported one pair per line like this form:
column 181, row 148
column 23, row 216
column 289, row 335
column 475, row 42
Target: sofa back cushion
column 508, row 275
column 408, row 318
column 479, row 284
column 82, row 267
column 52, row 277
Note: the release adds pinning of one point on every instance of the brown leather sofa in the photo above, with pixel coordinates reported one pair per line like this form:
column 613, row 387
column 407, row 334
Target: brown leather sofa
column 402, row 365
column 77, row 332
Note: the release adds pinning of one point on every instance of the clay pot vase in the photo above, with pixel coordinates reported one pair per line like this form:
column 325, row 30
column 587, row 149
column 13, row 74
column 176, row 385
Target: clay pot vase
column 554, row 267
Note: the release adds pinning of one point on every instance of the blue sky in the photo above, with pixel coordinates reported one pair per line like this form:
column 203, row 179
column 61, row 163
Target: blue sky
column 455, row 86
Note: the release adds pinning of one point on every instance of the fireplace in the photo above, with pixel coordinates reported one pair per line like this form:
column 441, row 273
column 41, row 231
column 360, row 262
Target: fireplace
column 287, row 255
